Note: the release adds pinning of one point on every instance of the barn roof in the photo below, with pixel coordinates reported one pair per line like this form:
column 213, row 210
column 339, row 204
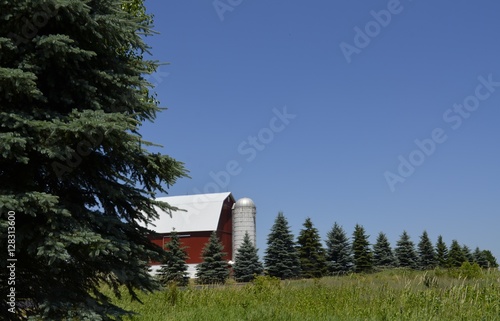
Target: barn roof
column 199, row 212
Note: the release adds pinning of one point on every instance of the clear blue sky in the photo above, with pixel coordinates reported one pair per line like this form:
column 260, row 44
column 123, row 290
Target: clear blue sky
column 359, row 88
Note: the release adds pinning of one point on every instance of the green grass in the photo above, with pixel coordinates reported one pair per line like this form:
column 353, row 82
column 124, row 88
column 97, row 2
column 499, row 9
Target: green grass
column 389, row 295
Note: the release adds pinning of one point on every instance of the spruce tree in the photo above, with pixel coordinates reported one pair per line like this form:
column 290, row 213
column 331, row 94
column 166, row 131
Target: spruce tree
column 492, row 261
column 456, row 256
column 73, row 166
column 338, row 251
column 405, row 252
column 281, row 259
column 480, row 258
column 426, row 253
column 467, row 253
column 441, row 253
column 247, row 264
column 311, row 252
column 174, row 267
column 363, row 256
column 213, row 269
column 383, row 255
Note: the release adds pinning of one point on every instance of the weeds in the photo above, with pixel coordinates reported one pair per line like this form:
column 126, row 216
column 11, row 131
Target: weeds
column 387, row 295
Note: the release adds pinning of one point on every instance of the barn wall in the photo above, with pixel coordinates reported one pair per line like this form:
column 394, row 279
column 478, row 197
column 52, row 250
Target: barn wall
column 225, row 228
column 193, row 241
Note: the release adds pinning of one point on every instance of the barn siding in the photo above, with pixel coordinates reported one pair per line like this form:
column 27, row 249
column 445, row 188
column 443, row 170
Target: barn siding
column 225, row 228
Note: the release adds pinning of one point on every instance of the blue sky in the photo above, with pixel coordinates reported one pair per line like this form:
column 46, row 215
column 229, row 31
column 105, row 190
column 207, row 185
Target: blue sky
column 313, row 109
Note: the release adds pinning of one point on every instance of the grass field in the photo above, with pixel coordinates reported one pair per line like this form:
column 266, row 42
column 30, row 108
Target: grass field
column 388, row 295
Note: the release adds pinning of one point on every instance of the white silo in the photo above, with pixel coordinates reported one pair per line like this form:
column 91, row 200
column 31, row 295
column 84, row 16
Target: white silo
column 244, row 212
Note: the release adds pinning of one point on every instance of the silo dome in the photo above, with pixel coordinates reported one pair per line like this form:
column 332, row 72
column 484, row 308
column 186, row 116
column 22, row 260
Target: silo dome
column 244, row 202
column 244, row 212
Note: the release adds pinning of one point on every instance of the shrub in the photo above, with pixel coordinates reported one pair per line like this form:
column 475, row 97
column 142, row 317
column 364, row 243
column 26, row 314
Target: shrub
column 466, row 270
column 266, row 283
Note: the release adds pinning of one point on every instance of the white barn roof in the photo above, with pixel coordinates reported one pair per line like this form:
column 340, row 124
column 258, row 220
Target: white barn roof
column 198, row 212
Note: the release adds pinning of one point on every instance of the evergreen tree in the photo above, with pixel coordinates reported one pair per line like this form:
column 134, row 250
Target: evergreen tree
column 426, row 253
column 214, row 268
column 363, row 256
column 492, row 261
column 338, row 251
column 455, row 256
column 73, row 165
column 480, row 258
column 311, row 252
column 405, row 252
column 441, row 253
column 247, row 264
column 174, row 267
column 382, row 252
column 281, row 259
column 467, row 253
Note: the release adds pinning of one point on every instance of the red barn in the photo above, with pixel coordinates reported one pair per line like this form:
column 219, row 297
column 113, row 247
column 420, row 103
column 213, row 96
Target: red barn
column 198, row 216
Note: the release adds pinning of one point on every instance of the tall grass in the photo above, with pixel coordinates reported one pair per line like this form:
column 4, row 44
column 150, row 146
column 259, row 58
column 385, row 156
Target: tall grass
column 389, row 295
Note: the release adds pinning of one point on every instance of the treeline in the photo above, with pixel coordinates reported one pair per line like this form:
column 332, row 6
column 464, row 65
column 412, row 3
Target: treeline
column 306, row 257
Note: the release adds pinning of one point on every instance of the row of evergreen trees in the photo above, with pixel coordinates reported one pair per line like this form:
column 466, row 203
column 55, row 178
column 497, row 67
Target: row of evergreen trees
column 286, row 258
column 308, row 258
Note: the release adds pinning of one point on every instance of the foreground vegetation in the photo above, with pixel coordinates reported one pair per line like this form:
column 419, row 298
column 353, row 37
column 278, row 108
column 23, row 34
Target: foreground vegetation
column 388, row 295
